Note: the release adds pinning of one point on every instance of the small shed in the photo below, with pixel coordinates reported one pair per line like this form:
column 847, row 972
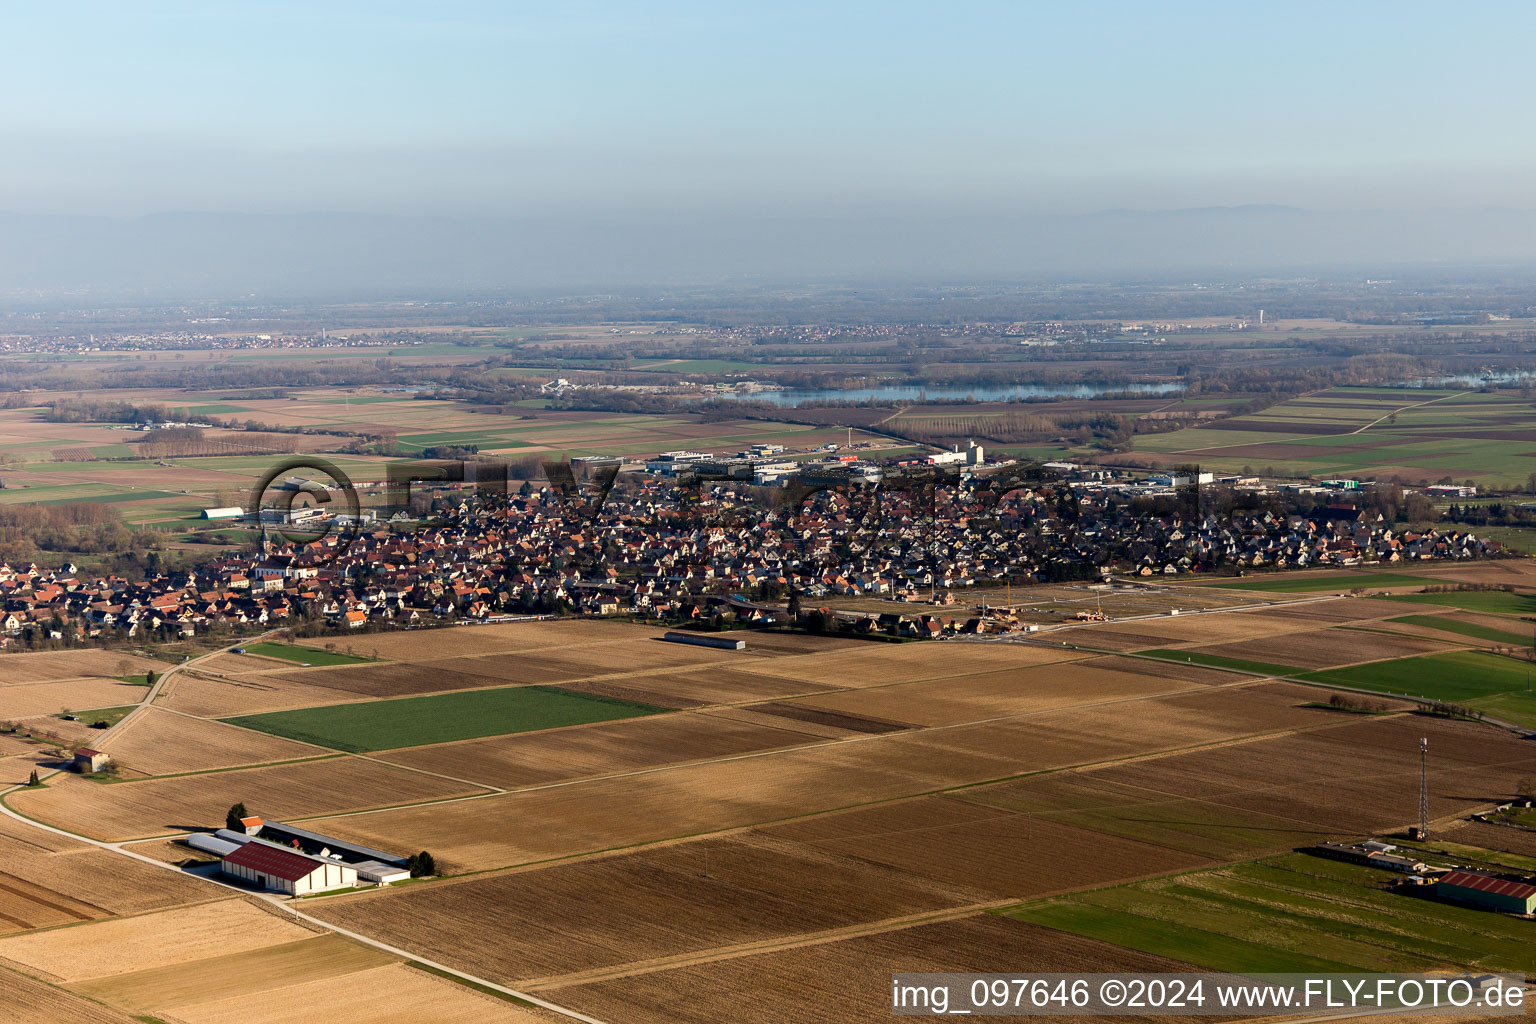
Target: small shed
column 88, row 760
column 251, row 825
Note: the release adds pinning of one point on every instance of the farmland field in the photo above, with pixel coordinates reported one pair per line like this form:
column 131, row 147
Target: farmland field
column 687, row 800
column 161, row 743
column 1325, row 648
column 414, row 721
column 600, row 749
column 1284, row 583
column 138, row 809
column 1447, row 624
column 308, row 655
column 1198, row 657
column 1462, row 677
column 1496, row 602
column 151, row 941
column 837, row 978
column 1292, row 913
column 814, row 809
column 31, row 1001
column 388, row 994
column 1418, row 435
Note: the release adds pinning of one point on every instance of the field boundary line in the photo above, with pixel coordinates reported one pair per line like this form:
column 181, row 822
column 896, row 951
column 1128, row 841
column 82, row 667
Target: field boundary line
column 1405, row 408
column 816, row 938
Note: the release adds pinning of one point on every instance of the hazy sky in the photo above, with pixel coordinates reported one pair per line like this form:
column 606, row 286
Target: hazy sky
column 510, row 108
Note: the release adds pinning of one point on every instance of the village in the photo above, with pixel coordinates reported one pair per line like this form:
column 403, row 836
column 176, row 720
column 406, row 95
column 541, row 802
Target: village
column 685, row 536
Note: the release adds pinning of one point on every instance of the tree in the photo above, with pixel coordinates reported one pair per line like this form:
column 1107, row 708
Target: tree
column 421, row 864
column 32, row 780
column 233, row 815
column 149, row 678
column 1525, row 788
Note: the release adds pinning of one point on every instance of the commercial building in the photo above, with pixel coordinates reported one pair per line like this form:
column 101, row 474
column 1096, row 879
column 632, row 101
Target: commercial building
column 669, row 463
column 1487, row 891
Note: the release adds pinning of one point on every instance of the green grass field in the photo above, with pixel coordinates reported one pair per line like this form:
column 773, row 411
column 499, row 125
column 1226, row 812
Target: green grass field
column 304, row 655
column 1281, row 584
column 109, row 715
column 1216, row 661
column 1290, row 913
column 1499, row 686
column 1496, row 602
column 1420, row 435
column 1449, row 625
column 416, row 721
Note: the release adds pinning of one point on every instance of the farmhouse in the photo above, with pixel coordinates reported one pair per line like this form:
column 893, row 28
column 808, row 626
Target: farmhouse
column 1487, row 891
column 296, row 874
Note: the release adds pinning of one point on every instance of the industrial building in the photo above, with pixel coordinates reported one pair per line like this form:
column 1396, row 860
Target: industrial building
column 297, row 874
column 1487, row 891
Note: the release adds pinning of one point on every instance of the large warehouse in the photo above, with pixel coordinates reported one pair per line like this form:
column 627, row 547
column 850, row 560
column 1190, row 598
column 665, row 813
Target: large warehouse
column 1500, row 893
column 289, row 871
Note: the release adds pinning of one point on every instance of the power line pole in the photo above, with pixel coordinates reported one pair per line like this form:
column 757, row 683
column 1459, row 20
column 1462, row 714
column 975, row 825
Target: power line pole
column 1423, row 788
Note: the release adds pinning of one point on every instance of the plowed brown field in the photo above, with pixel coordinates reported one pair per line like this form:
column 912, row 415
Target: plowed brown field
column 615, row 910
column 603, row 814
column 158, row 742
column 131, row 810
column 849, row 980
column 607, row 748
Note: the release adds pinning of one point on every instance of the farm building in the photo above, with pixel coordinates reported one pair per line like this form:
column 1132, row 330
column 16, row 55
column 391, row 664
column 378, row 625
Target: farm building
column 88, row 760
column 1372, row 854
column 223, row 513
column 725, row 643
column 294, row 873
column 371, row 865
column 1488, row 891
column 212, row 844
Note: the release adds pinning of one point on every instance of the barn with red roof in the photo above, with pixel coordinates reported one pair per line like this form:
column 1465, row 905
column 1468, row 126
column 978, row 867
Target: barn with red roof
column 297, row 874
column 1487, row 890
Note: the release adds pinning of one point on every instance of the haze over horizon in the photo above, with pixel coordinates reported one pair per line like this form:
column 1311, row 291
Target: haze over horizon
column 692, row 141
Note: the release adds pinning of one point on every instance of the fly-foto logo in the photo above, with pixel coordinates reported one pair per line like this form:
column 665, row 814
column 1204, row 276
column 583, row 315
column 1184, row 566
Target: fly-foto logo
column 307, row 503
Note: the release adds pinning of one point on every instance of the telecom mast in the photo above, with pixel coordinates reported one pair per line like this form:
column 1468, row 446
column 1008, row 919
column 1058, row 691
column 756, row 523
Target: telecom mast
column 1423, row 788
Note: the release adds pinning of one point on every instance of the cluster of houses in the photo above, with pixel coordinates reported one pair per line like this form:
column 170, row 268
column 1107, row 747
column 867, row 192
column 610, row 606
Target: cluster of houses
column 649, row 552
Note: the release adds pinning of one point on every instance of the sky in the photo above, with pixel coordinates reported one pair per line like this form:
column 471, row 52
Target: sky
column 643, row 109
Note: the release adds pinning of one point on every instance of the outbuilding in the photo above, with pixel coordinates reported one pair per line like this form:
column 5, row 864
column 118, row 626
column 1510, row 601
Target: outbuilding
column 725, row 643
column 296, row 874
column 1488, row 891
column 88, row 760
